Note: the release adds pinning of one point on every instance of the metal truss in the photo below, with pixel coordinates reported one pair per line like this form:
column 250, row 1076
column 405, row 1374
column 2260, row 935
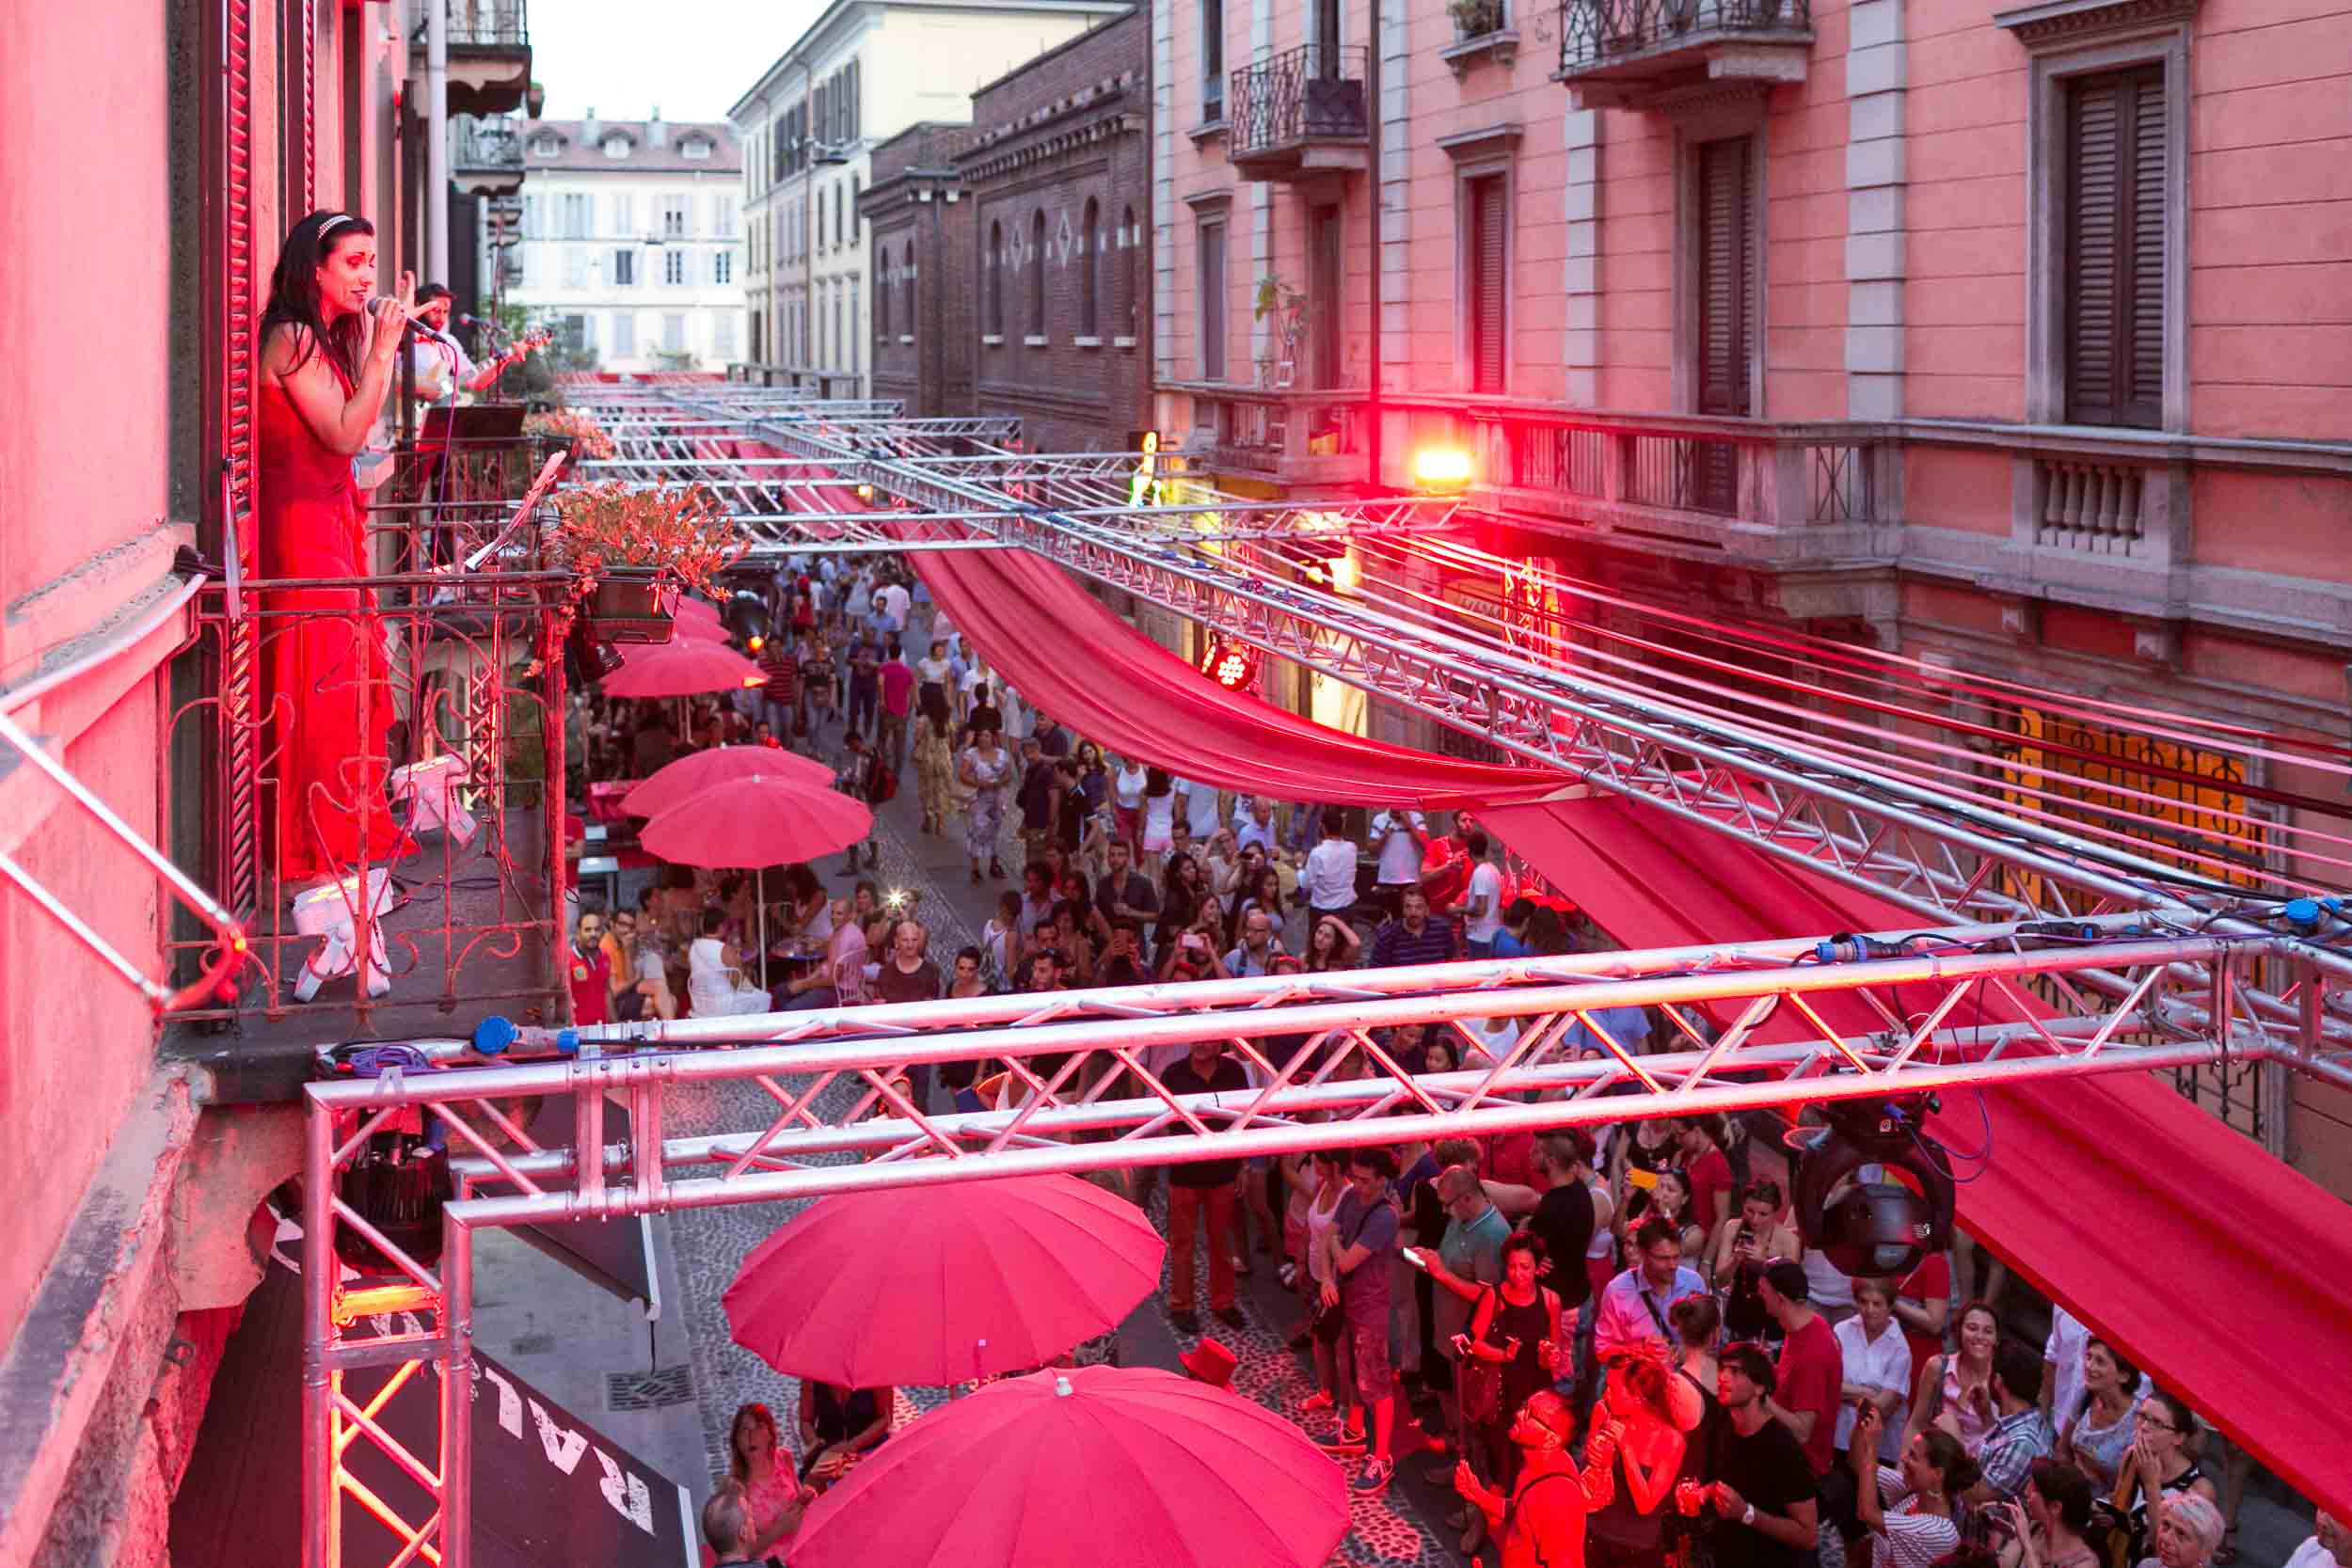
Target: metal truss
column 1083, row 1089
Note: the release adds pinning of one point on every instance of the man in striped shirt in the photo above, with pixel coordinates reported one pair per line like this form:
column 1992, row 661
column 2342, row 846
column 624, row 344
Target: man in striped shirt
column 1416, row 937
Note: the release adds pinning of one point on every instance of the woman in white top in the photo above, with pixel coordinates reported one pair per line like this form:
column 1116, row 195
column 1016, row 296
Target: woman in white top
column 1323, row 1217
column 715, row 985
column 1127, row 801
column 1159, row 821
column 1877, row 1366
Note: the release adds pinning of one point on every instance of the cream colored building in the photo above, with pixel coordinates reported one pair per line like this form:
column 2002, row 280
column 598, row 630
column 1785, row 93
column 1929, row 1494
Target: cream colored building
column 632, row 239
column 866, row 70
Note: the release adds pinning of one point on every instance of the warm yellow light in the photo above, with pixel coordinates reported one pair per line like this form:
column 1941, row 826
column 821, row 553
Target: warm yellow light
column 1441, row 469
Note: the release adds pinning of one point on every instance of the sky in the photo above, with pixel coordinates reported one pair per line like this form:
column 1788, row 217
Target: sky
column 697, row 59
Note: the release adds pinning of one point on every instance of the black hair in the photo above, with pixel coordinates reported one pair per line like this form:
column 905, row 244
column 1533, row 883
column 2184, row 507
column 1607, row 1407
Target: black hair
column 1381, row 1161
column 1695, row 1318
column 1518, row 911
column 2067, row 1490
column 2019, row 1369
column 1948, row 1459
column 1762, row 1190
column 1157, row 782
column 2184, row 1418
column 869, row 887
column 1527, row 1241
column 712, row 920
column 1476, row 843
column 1748, row 1359
column 294, row 294
column 978, row 958
column 428, row 292
column 1655, row 1227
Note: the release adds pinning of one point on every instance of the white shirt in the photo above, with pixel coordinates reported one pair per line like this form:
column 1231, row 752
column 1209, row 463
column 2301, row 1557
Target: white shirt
column 2069, row 1334
column 2311, row 1554
column 1400, row 852
column 894, row 604
column 1330, row 876
column 1490, row 1040
column 1485, row 882
column 1829, row 1285
column 1882, row 1363
column 1248, row 830
column 1127, row 787
column 1200, row 809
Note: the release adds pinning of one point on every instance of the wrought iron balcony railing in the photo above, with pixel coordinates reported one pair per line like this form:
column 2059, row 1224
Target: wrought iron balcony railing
column 1594, row 33
column 485, row 24
column 1312, row 92
column 485, row 144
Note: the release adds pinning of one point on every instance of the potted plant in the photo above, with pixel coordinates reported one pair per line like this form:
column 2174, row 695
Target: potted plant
column 574, row 426
column 631, row 551
column 1288, row 308
column 1475, row 18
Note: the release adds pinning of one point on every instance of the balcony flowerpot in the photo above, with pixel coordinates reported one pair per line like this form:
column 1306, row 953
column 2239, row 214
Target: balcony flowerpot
column 1474, row 19
column 630, row 604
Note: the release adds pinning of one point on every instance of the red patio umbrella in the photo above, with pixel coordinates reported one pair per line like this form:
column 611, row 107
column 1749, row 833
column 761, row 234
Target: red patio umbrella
column 699, row 616
column 1097, row 1468
column 756, row 819
column 698, row 770
column 685, row 668
column 938, row 1284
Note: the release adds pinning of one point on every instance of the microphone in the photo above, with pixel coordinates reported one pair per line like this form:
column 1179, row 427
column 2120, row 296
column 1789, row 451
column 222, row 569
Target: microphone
column 472, row 321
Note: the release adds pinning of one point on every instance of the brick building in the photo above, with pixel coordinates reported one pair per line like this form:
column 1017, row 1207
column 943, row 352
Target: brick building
column 923, row 265
column 1056, row 174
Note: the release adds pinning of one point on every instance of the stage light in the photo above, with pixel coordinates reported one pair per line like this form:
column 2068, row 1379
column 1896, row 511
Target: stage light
column 1232, row 665
column 1873, row 1228
column 866, row 492
column 1441, row 469
column 746, row 615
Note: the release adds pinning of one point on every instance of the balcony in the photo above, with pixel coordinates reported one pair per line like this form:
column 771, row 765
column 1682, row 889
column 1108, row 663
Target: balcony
column 1630, row 53
column 1305, row 439
column 485, row 157
column 489, row 57
column 1299, row 115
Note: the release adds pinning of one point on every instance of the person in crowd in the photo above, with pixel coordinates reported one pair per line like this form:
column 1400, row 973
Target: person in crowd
column 1331, row 944
column 1466, row 1264
column 907, row 975
column 1415, row 937
column 1159, row 821
column 716, row 985
column 2163, row 1461
column 327, row 349
column 865, row 684
column 2019, row 1435
column 1876, row 1362
column 1181, row 897
column 1923, row 1305
column 894, row 685
column 1481, row 902
column 1126, row 795
column 980, row 711
column 593, row 982
column 763, row 1474
column 1323, row 1180
column 858, row 775
column 1253, row 824
column 1698, row 1323
column 1201, row 1196
column 1648, row 1146
column 1955, row 1390
column 1126, row 892
column 1257, row 949
column 2097, row 1436
column 1512, row 941
column 2188, row 1532
column 984, row 769
column 1201, row 809
column 931, row 677
column 840, row 981
column 1660, row 1419
column 839, row 1424
column 1516, row 1325
column 2330, row 1545
column 1094, row 784
column 1633, row 1307
column 935, row 770
column 1330, row 875
column 1039, row 797
column 729, row 1531
column 1758, row 1481
column 1260, row 890
column 1398, row 836
column 1363, row 1236
column 1742, row 1252
column 1122, row 962
column 1911, row 1510
column 1811, row 1372
column 969, row 978
column 1070, row 943
column 1670, row 1197
column 1542, row 1519
column 1037, row 898
column 1707, row 1168
column 2047, row 1527
column 817, row 682
column 1044, row 971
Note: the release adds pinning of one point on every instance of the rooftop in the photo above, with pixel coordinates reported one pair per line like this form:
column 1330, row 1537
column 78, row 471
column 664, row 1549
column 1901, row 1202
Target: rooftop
column 655, row 145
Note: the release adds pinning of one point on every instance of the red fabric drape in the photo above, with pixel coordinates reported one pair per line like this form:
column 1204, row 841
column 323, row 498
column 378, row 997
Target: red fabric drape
column 2207, row 1260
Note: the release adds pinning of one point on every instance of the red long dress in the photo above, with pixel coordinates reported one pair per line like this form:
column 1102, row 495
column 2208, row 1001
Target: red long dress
column 326, row 685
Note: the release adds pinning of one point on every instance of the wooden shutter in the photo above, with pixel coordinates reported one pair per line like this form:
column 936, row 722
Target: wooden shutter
column 2114, row 228
column 1213, row 302
column 1490, row 242
column 1727, row 321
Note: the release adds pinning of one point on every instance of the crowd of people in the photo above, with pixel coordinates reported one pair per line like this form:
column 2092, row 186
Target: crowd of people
column 1638, row 1293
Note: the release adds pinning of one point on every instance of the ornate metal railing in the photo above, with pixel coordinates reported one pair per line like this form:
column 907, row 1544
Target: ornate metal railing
column 479, row 144
column 1314, row 91
column 1593, row 31
column 485, row 24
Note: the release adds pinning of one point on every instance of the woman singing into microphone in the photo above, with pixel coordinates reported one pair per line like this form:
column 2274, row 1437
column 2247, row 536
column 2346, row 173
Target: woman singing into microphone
column 328, row 356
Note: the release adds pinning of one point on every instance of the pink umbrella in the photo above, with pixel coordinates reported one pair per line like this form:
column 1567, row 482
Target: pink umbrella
column 756, row 819
column 937, row 1284
column 699, row 616
column 698, row 770
column 1097, row 1468
column 685, row 668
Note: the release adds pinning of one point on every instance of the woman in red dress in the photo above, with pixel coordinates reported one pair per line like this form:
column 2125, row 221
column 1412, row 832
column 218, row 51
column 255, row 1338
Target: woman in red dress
column 328, row 356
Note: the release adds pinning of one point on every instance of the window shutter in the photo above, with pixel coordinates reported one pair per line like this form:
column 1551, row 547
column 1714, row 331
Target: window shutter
column 2114, row 227
column 1213, row 302
column 1490, row 239
column 1726, row 328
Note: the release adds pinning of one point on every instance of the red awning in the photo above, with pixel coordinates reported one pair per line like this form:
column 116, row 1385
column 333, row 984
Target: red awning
column 2207, row 1262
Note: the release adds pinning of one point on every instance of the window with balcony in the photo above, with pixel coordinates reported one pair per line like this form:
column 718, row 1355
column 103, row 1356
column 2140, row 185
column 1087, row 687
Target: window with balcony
column 674, row 210
column 1212, row 281
column 723, row 267
column 1326, row 245
column 2114, row 236
column 623, row 334
column 673, row 268
column 1726, row 296
column 1211, row 59
column 625, row 269
column 1037, row 273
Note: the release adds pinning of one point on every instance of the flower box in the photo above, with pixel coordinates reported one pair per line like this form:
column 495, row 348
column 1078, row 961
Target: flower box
column 630, row 604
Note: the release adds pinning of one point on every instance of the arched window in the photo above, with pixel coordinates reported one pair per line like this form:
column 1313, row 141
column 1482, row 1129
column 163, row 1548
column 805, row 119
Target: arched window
column 995, row 314
column 1130, row 241
column 1090, row 283
column 906, row 281
column 1037, row 273
column 882, row 308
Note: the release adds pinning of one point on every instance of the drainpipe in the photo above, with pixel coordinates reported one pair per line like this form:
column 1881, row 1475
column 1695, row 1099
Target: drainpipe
column 1372, row 334
column 436, row 141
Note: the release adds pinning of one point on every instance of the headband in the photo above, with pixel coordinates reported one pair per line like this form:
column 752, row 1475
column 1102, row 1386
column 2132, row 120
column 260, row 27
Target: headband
column 328, row 226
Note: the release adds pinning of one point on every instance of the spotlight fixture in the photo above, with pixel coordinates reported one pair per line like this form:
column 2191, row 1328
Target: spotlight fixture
column 1873, row 1228
column 1232, row 665
column 1442, row 471
column 746, row 615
